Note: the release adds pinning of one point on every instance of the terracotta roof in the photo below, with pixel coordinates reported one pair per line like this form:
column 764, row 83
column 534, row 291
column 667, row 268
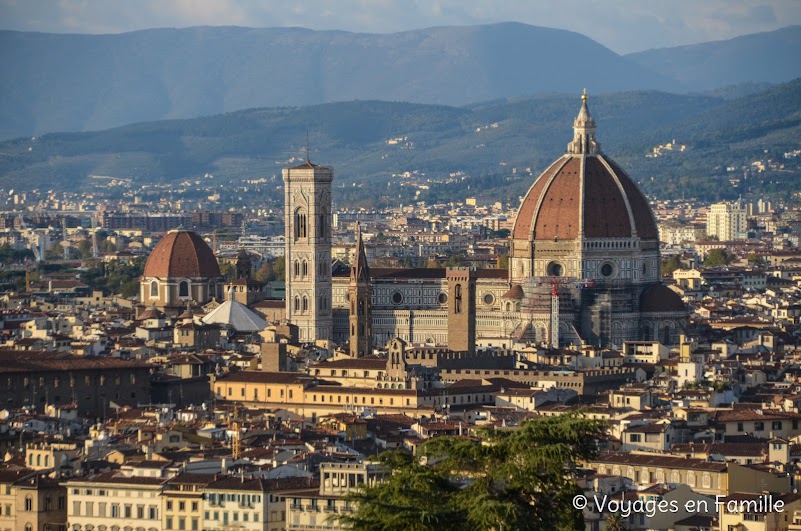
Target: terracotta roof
column 661, row 461
column 659, row 298
column 265, row 377
column 515, row 292
column 553, row 206
column 39, row 361
column 367, row 363
column 182, row 254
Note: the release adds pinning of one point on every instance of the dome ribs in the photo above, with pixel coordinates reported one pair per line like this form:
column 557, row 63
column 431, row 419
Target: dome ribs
column 605, row 212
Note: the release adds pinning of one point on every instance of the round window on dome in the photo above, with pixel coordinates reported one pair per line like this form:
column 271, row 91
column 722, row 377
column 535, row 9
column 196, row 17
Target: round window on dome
column 397, row 297
column 442, row 298
column 555, row 269
column 489, row 298
column 607, row 270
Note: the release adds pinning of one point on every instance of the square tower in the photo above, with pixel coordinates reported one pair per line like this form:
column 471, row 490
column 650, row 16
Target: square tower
column 307, row 222
column 461, row 309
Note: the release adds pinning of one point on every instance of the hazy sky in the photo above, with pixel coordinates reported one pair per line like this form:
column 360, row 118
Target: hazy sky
column 622, row 25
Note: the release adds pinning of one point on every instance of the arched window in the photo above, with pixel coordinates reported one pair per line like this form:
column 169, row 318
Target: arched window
column 47, row 461
column 666, row 335
column 297, row 303
column 183, row 289
column 305, row 268
column 28, row 527
column 305, row 304
column 297, row 268
column 300, row 223
column 28, row 503
column 154, row 289
column 457, row 299
column 38, row 463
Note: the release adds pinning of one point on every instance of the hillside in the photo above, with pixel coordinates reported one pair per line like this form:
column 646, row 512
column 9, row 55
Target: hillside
column 55, row 82
column 481, row 141
column 770, row 57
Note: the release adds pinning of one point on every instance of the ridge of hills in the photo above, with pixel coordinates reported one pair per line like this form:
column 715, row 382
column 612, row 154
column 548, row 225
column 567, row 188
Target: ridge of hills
column 370, row 143
column 63, row 82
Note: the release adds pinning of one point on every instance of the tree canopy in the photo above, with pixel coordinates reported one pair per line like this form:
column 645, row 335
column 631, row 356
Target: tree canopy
column 507, row 479
column 717, row 258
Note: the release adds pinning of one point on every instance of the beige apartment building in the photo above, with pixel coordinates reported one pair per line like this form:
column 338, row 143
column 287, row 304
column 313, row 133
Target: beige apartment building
column 705, row 477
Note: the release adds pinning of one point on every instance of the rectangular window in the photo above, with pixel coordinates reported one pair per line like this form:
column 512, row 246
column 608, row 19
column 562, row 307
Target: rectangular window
column 168, row 522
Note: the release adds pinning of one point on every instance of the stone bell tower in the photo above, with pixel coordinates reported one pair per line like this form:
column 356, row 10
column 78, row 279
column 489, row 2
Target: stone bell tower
column 307, row 221
column 359, row 305
column 461, row 309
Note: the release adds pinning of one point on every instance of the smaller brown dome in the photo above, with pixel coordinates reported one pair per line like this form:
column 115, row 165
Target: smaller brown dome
column 516, row 293
column 659, row 299
column 182, row 253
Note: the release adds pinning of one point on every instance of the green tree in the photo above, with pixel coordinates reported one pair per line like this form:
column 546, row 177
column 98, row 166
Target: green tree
column 670, row 265
column 521, row 479
column 503, row 261
column 455, row 260
column 228, row 270
column 717, row 258
column 266, row 273
column 615, row 523
column 279, row 267
column 756, row 260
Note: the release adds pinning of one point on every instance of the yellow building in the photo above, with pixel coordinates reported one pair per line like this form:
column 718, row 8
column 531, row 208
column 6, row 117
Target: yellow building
column 749, row 511
column 705, row 477
column 305, row 395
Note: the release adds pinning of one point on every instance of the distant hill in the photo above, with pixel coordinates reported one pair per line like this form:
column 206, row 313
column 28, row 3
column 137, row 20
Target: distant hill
column 770, row 57
column 484, row 142
column 56, row 82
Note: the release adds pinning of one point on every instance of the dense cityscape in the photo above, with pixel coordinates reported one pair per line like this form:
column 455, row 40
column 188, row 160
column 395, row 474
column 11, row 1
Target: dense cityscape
column 473, row 297
column 176, row 368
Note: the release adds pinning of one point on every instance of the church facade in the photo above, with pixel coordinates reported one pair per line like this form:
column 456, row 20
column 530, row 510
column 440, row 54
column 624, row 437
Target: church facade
column 584, row 268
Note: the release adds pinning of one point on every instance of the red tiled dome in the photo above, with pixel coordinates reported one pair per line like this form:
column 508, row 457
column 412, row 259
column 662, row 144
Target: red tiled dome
column 182, row 253
column 584, row 193
column 612, row 205
column 660, row 298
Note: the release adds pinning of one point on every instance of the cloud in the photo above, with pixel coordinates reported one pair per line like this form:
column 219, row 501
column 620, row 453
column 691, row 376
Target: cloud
column 622, row 25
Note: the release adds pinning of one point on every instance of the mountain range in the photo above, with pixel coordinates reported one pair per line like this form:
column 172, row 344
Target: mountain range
column 494, row 149
column 61, row 82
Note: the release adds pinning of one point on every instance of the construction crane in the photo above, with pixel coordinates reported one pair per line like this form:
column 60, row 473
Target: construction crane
column 95, row 251
column 38, row 248
column 236, row 443
column 555, row 313
column 65, row 243
column 556, row 286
